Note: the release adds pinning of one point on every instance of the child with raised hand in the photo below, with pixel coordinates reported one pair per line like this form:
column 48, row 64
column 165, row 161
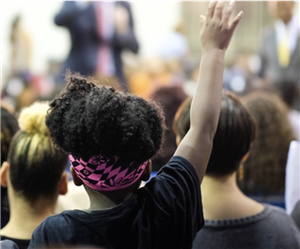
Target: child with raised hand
column 110, row 137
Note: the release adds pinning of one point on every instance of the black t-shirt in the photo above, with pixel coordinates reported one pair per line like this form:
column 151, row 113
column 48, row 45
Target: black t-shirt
column 21, row 243
column 165, row 213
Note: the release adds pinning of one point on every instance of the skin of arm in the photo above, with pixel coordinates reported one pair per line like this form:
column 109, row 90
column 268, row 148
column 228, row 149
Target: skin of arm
column 216, row 33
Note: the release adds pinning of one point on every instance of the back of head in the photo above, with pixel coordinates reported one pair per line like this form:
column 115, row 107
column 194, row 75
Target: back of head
column 289, row 91
column 281, row 9
column 36, row 166
column 87, row 120
column 170, row 98
column 9, row 126
column 234, row 135
column 264, row 169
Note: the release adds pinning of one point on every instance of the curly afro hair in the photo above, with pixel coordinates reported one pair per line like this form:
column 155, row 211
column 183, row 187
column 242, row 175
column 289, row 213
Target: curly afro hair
column 87, row 119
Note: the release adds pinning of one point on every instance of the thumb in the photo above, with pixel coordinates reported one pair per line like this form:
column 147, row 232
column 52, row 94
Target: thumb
column 202, row 21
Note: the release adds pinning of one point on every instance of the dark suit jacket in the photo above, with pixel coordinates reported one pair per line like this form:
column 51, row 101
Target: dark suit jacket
column 270, row 67
column 81, row 23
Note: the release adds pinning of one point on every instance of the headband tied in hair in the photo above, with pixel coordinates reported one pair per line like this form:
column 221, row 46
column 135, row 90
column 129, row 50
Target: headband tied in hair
column 106, row 174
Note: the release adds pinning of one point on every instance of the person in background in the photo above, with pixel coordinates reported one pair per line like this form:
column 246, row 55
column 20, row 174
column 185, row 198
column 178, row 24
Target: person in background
column 21, row 49
column 289, row 91
column 280, row 47
column 99, row 32
column 233, row 220
column 9, row 126
column 169, row 98
column 110, row 137
column 263, row 175
column 33, row 174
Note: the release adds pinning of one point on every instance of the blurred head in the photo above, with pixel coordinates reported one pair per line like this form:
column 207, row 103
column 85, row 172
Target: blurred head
column 35, row 165
column 9, row 126
column 264, row 170
column 289, row 91
column 234, row 135
column 99, row 125
column 169, row 98
column 282, row 9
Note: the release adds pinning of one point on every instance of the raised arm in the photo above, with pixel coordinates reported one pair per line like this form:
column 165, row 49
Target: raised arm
column 216, row 33
column 69, row 13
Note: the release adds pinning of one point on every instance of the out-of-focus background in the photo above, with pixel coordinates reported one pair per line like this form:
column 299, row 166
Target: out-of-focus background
column 34, row 47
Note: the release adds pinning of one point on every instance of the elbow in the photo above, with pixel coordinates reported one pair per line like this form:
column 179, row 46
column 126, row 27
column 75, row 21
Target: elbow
column 135, row 48
column 57, row 21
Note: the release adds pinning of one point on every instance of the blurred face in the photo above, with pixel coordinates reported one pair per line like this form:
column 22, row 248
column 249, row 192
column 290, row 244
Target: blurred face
column 284, row 10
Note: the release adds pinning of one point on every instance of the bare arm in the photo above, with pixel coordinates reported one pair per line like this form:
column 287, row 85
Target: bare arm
column 216, row 33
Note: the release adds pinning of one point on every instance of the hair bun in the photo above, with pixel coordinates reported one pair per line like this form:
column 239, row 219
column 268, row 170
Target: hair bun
column 32, row 118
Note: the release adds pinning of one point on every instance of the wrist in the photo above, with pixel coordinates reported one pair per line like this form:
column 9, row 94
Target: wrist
column 213, row 51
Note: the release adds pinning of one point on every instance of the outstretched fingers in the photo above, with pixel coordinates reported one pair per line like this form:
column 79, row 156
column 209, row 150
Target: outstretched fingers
column 211, row 9
column 228, row 12
column 236, row 21
column 219, row 10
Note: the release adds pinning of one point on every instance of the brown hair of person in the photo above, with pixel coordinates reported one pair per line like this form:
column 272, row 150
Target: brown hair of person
column 264, row 170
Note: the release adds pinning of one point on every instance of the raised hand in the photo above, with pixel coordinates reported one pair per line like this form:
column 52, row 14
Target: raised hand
column 216, row 31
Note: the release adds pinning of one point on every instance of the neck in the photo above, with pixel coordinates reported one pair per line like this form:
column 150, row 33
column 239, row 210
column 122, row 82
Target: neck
column 25, row 217
column 222, row 199
column 287, row 19
column 106, row 200
column 99, row 201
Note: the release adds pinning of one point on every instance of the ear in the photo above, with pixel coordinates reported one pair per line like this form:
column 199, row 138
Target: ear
column 77, row 181
column 245, row 158
column 63, row 185
column 178, row 140
column 4, row 171
column 146, row 174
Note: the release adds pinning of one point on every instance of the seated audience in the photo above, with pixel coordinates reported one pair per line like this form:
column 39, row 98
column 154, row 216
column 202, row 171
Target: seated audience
column 110, row 137
column 33, row 174
column 233, row 220
column 9, row 126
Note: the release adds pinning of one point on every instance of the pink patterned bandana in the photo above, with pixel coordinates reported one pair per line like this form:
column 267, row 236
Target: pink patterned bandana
column 104, row 174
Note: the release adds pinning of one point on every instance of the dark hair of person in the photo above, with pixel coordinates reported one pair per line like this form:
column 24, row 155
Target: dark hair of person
column 88, row 119
column 9, row 126
column 234, row 135
column 289, row 91
column 169, row 98
column 36, row 166
column 264, row 170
